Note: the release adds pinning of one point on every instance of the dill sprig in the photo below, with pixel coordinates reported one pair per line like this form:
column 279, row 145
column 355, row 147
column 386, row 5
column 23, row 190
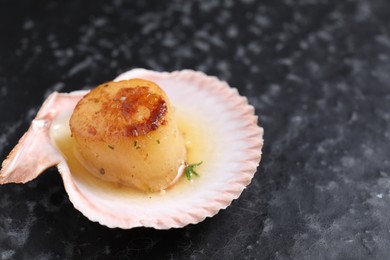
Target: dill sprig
column 190, row 170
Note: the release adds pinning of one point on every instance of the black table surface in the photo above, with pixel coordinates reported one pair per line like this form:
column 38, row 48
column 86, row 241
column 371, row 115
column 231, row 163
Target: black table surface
column 317, row 72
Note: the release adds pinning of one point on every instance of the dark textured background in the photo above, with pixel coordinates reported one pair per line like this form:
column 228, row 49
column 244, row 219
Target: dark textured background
column 317, row 72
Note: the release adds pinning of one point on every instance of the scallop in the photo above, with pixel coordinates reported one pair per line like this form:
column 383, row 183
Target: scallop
column 131, row 123
column 186, row 168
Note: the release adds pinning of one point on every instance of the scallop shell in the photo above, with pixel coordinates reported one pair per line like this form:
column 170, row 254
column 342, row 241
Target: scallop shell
column 236, row 142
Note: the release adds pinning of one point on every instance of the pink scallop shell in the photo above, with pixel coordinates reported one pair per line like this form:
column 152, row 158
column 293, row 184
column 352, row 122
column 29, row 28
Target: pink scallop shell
column 238, row 142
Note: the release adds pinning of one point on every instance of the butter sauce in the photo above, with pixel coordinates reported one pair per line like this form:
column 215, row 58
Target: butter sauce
column 198, row 144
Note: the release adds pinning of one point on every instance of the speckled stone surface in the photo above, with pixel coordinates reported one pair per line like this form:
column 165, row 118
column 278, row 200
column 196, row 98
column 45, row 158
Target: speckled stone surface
column 317, row 72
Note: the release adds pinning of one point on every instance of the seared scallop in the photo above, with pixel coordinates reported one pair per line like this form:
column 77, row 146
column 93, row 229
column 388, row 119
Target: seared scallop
column 126, row 133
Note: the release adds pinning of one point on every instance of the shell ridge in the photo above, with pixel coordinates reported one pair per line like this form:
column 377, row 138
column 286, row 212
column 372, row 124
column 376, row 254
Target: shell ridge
column 20, row 166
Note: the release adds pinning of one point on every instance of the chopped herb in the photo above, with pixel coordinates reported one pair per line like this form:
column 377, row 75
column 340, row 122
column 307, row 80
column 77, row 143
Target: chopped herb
column 190, row 170
column 158, row 141
column 102, row 171
column 138, row 147
column 135, row 143
column 106, row 85
column 111, row 147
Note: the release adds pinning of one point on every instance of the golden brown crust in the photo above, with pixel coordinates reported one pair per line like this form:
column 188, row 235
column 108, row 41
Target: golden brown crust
column 143, row 110
column 128, row 108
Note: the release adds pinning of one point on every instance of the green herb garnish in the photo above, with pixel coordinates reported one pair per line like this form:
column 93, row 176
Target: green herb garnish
column 135, row 143
column 158, row 141
column 111, row 147
column 190, row 170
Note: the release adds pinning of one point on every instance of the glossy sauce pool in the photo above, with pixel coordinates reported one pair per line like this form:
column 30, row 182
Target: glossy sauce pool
column 197, row 138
